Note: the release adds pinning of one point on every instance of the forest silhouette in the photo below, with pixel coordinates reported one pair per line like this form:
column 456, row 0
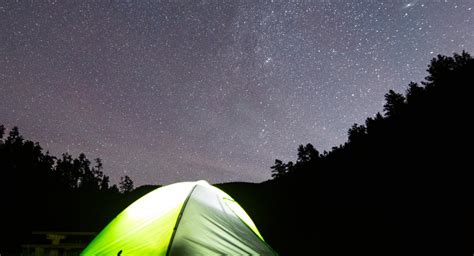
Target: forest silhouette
column 400, row 185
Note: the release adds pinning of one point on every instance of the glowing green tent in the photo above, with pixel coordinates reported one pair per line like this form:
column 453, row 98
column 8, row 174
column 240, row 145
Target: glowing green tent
column 188, row 218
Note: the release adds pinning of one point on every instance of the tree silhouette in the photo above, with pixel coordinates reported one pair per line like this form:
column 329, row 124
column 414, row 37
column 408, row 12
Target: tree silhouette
column 303, row 157
column 278, row 169
column 440, row 68
column 114, row 188
column 357, row 132
column 14, row 137
column 414, row 93
column 126, row 184
column 394, row 103
column 307, row 153
column 27, row 157
column 290, row 166
column 2, row 132
column 69, row 173
column 412, row 159
column 57, row 190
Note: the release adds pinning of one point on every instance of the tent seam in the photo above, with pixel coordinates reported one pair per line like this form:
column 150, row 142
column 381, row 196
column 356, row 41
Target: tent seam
column 178, row 220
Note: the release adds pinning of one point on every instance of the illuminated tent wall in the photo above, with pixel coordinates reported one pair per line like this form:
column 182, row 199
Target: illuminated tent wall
column 185, row 218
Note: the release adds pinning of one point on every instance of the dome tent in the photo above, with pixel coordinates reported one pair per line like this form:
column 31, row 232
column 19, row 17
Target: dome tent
column 187, row 218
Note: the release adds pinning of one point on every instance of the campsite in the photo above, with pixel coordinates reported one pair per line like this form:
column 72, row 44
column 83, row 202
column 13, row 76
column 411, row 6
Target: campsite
column 236, row 128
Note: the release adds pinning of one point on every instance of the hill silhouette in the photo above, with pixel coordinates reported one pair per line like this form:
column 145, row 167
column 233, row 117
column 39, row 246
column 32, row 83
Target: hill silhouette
column 400, row 185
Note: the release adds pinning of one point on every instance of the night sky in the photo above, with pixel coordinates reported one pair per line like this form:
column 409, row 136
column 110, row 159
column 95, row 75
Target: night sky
column 215, row 90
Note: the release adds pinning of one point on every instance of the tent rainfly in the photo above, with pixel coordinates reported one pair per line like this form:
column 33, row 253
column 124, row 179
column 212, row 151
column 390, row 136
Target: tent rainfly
column 187, row 218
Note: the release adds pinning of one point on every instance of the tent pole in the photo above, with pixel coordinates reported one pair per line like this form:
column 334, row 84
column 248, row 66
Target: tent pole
column 178, row 219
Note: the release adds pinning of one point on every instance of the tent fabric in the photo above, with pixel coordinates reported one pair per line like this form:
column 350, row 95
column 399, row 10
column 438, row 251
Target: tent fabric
column 188, row 218
column 145, row 227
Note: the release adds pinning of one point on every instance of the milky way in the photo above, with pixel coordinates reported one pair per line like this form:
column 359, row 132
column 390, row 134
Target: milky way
column 215, row 90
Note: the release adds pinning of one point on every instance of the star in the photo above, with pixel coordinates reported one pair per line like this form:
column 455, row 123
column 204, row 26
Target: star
column 215, row 90
column 268, row 60
column 410, row 4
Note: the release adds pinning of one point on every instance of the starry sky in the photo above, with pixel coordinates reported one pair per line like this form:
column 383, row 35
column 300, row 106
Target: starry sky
column 167, row 91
